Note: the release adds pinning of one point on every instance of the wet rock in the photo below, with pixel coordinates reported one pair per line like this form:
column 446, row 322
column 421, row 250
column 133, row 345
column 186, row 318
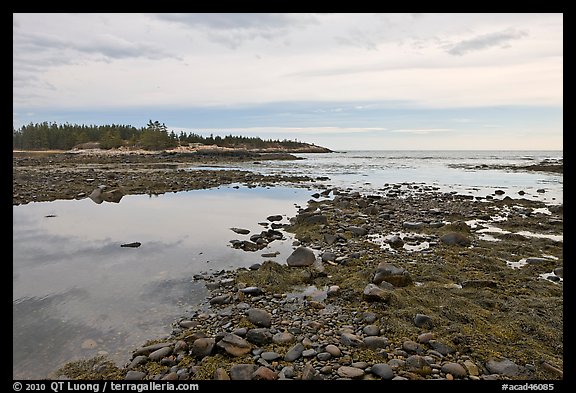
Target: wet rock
column 234, row 345
column 396, row 276
column 151, row 348
column 396, row 242
column 113, row 196
column 242, row 372
column 455, row 239
column 382, row 370
column 536, row 260
column 277, row 217
column 255, row 291
column 260, row 317
column 222, row 299
column 559, row 271
column 241, row 231
column 302, row 256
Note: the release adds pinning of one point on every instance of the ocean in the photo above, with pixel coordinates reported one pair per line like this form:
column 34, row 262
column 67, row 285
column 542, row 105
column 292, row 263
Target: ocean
column 77, row 294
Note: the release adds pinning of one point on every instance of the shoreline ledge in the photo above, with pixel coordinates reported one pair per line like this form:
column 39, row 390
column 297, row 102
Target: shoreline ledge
column 404, row 285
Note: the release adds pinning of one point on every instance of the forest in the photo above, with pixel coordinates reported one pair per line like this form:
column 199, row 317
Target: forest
column 155, row 136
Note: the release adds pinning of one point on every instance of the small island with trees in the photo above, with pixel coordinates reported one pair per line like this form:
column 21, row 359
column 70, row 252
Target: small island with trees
column 154, row 137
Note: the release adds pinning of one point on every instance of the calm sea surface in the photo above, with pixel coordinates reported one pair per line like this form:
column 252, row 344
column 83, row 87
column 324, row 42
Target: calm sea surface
column 76, row 292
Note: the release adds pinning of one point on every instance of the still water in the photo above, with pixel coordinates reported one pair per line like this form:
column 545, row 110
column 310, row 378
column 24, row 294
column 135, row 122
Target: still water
column 76, row 292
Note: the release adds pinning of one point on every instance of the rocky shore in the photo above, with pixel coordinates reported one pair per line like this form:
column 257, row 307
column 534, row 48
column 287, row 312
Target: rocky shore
column 409, row 283
column 47, row 176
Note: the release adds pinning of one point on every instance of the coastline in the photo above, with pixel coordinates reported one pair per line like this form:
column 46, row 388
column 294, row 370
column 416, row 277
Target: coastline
column 436, row 311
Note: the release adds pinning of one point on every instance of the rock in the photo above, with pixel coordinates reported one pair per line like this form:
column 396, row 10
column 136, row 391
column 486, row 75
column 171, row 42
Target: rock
column 351, row 340
column 559, row 271
column 260, row 336
column 242, row 372
column 264, row 373
column 350, row 372
column 324, row 356
column 371, row 330
column 170, row 377
column 302, row 256
column 308, row 372
column 422, row 320
column 131, row 245
column 357, row 231
column 440, row 347
column 382, row 370
column 333, row 350
column 96, row 195
column 222, row 299
column 424, row 338
column 455, row 239
column 221, row 375
column 412, row 225
column 260, row 317
column 186, row 324
column 113, row 196
column 396, row 242
column 375, row 342
column 499, row 192
column 411, row 346
column 328, row 256
column 294, row 353
column 396, row 276
column 417, row 364
column 234, row 345
column 471, row 368
column 505, row 367
column 270, row 356
column 133, row 375
column 283, row 338
column 255, row 291
column 241, row 231
column 536, row 260
column 333, row 290
column 308, row 353
column 455, row 369
column 277, row 217
column 151, row 348
column 138, row 360
column 160, row 353
column 202, row 347
column 373, row 293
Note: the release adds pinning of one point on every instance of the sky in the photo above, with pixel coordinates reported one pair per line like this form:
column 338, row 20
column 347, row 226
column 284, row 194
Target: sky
column 343, row 81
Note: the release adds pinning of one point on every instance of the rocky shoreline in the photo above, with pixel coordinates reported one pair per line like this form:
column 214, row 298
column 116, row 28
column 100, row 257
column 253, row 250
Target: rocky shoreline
column 409, row 284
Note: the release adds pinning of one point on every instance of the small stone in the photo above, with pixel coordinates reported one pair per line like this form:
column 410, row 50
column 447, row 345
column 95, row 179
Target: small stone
column 242, row 372
column 351, row 340
column 221, row 375
column 422, row 320
column 283, row 338
column 374, row 342
column 455, row 369
column 234, row 345
column 333, row 350
column 264, row 373
column 425, row 337
column 302, row 256
column 382, row 370
column 133, row 375
column 350, row 372
column 294, row 353
column 160, row 353
column 472, row 368
column 202, row 347
column 417, row 364
column 260, row 317
column 371, row 330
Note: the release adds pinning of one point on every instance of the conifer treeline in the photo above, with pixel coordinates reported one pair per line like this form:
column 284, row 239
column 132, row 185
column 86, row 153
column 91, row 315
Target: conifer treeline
column 155, row 136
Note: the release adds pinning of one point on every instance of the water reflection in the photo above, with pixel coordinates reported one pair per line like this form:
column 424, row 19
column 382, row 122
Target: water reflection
column 73, row 282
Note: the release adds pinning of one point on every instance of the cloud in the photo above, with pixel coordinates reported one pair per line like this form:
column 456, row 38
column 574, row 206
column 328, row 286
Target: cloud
column 234, row 29
column 485, row 41
column 422, row 131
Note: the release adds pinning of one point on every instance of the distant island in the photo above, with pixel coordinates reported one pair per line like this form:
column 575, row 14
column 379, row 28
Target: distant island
column 154, row 137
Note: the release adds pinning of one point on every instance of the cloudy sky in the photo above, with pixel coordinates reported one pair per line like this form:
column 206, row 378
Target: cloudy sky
column 344, row 81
